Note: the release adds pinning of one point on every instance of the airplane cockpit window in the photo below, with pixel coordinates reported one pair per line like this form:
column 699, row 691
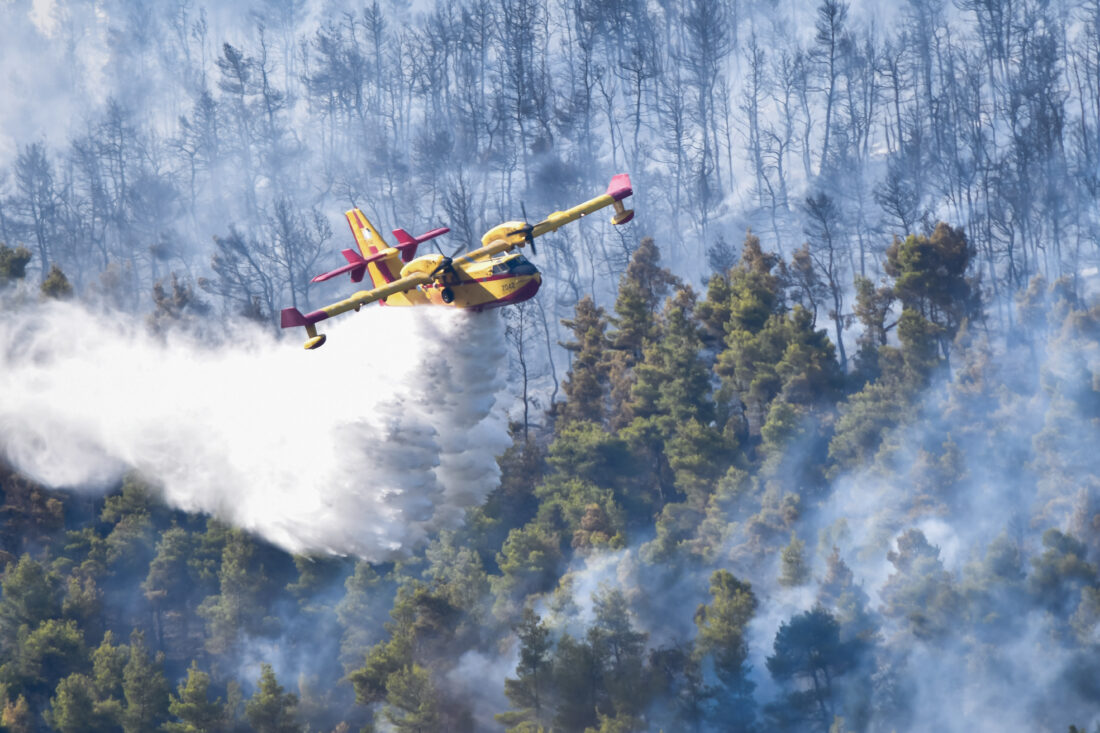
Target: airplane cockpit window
column 517, row 265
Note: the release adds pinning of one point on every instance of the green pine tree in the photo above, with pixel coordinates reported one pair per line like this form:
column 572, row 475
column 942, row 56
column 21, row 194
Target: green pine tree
column 192, row 706
column 170, row 586
column 237, row 608
column 930, row 278
column 586, row 384
column 271, row 709
column 808, row 649
column 72, row 707
column 921, row 593
column 108, row 666
column 28, row 596
column 848, row 602
column 13, row 263
column 56, row 285
column 642, row 288
column 529, row 690
column 357, row 616
column 45, row 655
column 794, row 570
column 721, row 643
column 618, row 649
column 412, row 705
column 145, row 688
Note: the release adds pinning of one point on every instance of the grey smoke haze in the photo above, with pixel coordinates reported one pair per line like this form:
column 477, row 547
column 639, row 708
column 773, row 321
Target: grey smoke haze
column 1001, row 660
column 80, row 402
column 325, row 118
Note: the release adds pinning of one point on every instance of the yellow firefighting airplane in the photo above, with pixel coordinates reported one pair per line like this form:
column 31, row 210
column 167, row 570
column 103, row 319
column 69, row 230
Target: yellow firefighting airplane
column 488, row 277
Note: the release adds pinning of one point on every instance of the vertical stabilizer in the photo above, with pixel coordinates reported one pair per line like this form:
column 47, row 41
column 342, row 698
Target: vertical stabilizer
column 370, row 242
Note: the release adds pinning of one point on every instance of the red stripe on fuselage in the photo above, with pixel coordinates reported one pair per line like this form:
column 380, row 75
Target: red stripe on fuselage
column 466, row 279
column 498, row 276
column 384, row 269
column 524, row 293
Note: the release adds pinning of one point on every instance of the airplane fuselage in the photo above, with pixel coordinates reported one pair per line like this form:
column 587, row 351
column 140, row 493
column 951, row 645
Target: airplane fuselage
column 478, row 285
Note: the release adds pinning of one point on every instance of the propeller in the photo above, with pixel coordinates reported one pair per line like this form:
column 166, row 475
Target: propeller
column 446, row 264
column 527, row 230
column 446, row 258
column 443, row 266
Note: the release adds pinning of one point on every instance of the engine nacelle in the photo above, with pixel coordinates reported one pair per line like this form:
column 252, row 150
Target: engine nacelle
column 425, row 264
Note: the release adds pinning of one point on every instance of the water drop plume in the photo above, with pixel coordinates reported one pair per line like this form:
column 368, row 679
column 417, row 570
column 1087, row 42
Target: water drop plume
column 361, row 447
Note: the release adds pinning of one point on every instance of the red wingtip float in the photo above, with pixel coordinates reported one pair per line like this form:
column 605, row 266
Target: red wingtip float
column 291, row 317
column 619, row 189
column 491, row 276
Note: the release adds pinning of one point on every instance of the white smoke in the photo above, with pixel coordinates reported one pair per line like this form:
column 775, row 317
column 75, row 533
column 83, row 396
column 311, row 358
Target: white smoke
column 360, row 448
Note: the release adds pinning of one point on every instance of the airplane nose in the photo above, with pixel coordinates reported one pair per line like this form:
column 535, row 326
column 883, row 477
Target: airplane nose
column 529, row 288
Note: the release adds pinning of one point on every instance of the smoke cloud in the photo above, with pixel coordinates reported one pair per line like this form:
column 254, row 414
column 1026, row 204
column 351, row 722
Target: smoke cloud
column 361, row 447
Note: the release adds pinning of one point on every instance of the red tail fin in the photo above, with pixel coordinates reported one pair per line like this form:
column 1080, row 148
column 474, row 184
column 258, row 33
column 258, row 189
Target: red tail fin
column 360, row 265
column 408, row 243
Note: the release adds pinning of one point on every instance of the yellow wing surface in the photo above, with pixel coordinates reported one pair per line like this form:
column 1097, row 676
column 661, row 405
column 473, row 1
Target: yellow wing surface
column 516, row 231
column 291, row 316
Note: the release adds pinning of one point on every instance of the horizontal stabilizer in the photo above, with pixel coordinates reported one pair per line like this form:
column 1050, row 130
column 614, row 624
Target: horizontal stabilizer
column 291, row 317
column 407, row 243
column 357, row 266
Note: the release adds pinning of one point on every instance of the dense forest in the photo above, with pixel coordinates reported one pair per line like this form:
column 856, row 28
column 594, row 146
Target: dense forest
column 809, row 446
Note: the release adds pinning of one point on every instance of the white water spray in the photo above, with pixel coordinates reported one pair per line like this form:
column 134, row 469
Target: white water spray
column 361, row 447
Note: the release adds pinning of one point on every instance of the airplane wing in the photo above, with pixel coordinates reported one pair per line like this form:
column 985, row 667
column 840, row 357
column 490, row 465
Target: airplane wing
column 617, row 190
column 517, row 233
column 496, row 247
column 291, row 317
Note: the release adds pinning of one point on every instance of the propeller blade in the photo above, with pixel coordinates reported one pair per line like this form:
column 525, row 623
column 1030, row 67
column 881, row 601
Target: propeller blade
column 528, row 229
column 444, row 264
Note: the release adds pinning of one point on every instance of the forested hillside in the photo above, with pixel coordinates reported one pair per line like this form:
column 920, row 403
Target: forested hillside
column 721, row 530
column 810, row 446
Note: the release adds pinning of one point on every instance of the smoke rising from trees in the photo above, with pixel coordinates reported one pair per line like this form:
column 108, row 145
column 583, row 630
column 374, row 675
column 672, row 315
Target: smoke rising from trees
column 847, row 485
